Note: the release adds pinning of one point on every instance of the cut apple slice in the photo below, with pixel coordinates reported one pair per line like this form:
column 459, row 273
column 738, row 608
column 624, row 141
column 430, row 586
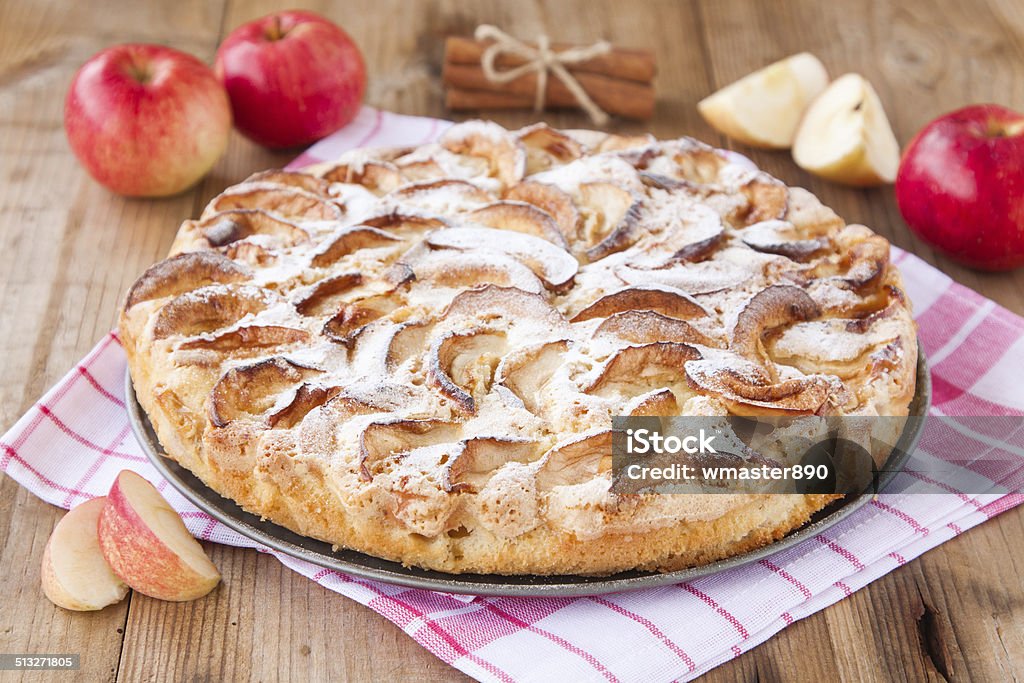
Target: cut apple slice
column 668, row 301
column 462, row 364
column 392, row 437
column 658, row 363
column 146, row 544
column 552, row 200
column 526, row 371
column 770, row 308
column 184, row 273
column 450, row 268
column 845, row 136
column 575, row 461
column 479, row 458
column 75, row 575
column 552, row 264
column 764, row 108
column 210, row 308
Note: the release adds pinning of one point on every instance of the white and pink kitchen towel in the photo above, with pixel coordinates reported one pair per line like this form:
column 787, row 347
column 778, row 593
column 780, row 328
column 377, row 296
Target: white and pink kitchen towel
column 71, row 444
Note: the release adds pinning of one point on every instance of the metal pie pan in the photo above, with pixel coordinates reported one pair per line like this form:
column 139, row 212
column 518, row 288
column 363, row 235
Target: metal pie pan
column 365, row 566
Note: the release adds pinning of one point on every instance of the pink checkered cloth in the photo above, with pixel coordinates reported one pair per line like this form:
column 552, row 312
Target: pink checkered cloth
column 72, row 443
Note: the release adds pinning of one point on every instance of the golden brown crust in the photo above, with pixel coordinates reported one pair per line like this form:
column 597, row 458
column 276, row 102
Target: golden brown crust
column 397, row 354
column 297, row 498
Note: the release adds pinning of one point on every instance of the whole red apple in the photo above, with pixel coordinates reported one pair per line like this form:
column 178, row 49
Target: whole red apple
column 293, row 78
column 146, row 120
column 960, row 186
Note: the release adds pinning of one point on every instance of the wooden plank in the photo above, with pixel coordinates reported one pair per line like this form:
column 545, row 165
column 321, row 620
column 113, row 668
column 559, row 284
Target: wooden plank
column 67, row 251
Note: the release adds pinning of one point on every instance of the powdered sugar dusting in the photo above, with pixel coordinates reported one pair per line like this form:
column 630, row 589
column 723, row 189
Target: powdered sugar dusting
column 445, row 330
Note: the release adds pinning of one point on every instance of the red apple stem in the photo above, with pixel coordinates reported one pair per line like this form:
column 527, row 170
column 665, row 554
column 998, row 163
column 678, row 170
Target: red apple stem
column 139, row 71
column 275, row 31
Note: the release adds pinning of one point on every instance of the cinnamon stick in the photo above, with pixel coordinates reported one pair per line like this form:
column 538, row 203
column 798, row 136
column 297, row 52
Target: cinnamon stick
column 617, row 96
column 628, row 64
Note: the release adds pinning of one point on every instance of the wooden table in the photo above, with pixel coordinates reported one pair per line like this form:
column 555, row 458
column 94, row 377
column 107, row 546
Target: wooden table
column 69, row 249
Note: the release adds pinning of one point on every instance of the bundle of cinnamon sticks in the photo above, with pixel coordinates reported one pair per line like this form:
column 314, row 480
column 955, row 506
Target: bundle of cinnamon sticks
column 620, row 81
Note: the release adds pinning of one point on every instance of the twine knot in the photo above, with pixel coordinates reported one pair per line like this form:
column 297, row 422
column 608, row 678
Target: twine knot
column 541, row 59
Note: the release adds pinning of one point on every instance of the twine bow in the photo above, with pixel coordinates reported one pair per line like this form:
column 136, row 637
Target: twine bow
column 541, row 59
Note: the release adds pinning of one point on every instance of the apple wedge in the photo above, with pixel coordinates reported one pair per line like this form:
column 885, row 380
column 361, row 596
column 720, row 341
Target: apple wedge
column 846, row 137
column 75, row 575
column 147, row 545
column 764, row 109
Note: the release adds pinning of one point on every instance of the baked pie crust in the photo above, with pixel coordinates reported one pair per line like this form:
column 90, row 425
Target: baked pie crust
column 416, row 353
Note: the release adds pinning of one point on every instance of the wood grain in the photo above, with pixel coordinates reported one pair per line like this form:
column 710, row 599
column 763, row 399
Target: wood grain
column 68, row 250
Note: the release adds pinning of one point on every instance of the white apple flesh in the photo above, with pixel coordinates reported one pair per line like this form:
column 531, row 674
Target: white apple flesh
column 764, row 109
column 846, row 137
column 147, row 545
column 75, row 575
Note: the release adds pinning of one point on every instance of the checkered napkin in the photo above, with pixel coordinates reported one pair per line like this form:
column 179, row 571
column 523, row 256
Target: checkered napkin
column 72, row 443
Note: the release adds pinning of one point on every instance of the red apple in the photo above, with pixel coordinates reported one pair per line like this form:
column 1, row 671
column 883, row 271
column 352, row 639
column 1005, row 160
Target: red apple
column 146, row 120
column 960, row 186
column 293, row 78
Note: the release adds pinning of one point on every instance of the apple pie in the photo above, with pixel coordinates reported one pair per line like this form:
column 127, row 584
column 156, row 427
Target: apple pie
column 417, row 353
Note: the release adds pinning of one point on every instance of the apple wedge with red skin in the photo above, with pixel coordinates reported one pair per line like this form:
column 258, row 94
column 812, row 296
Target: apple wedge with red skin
column 960, row 186
column 146, row 544
column 75, row 575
